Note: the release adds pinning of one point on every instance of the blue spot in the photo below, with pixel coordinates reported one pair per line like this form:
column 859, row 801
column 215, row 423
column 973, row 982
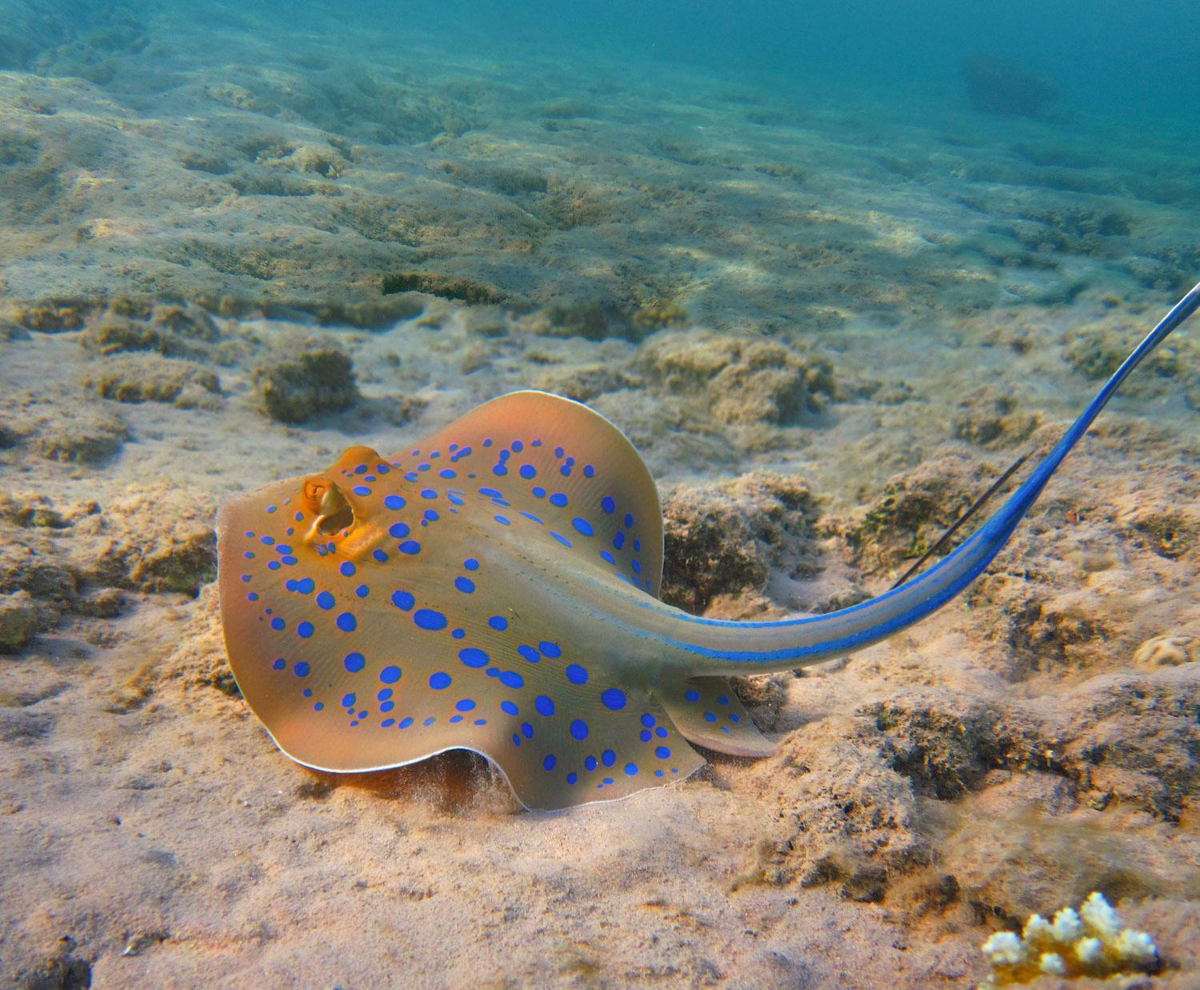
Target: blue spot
column 572, row 777
column 398, row 530
column 389, row 675
column 628, row 520
column 301, row 669
column 428, row 493
column 527, row 730
column 458, row 633
column 645, row 735
column 253, row 596
column 362, row 591
column 613, row 698
column 480, row 721
column 279, row 664
column 709, row 717
column 455, row 719
column 272, row 508
column 427, row 618
column 409, row 547
column 558, row 451
column 273, row 565
column 498, row 622
column 512, row 679
column 576, row 674
column 549, row 762
column 722, row 699
column 283, row 548
column 403, row 600
column 543, row 705
column 631, row 769
column 583, row 526
column 692, row 695
column 249, row 555
column 465, row 585
column 439, row 681
column 318, row 706
column 502, row 520
column 361, row 490
column 552, row 650
column 538, row 491
column 325, row 600
column 290, row 561
column 429, row 721
column 404, row 723
column 734, row 717
column 465, row 705
column 661, row 732
column 305, row 586
column 590, row 763
column 472, row 657
column 559, row 499
column 648, row 720
column 529, row 653
column 447, row 473
column 346, row 622
column 618, row 541
column 579, row 729
column 268, row 540
column 608, row 757
column 516, row 740
column 491, row 493
column 471, row 564
column 348, row 701
column 499, row 470
column 607, row 504
column 277, row 623
column 360, row 469
column 394, row 502
column 387, row 723
column 637, row 566
column 508, row 708
column 430, row 516
column 662, row 753
column 354, row 662
column 589, row 471
column 384, row 694
column 606, row 556
column 533, row 518
column 528, row 471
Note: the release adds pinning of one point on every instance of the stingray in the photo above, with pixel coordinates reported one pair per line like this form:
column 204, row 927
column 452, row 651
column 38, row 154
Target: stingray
column 495, row 587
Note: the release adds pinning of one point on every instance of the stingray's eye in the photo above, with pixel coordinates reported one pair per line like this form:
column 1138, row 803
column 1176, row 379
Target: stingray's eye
column 334, row 512
column 314, row 492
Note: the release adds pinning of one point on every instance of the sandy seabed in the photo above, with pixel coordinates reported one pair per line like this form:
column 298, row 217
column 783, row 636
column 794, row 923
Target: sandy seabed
column 826, row 328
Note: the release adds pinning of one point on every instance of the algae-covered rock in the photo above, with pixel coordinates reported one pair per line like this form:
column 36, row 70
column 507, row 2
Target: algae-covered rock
column 584, row 384
column 84, row 435
column 992, row 419
column 130, row 324
column 915, row 508
column 744, row 380
column 837, row 810
column 299, row 385
column 723, row 539
column 18, row 621
column 151, row 378
column 157, row 538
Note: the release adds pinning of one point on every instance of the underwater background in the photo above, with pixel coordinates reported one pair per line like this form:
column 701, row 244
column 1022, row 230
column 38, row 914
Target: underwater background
column 832, row 267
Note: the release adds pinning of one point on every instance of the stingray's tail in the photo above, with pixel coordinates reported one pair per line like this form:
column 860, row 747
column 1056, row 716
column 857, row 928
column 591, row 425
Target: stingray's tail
column 743, row 647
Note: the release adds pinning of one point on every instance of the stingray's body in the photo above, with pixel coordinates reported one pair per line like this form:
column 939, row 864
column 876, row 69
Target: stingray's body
column 494, row 588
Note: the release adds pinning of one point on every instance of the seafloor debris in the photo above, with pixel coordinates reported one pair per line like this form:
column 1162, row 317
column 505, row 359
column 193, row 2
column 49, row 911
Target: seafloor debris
column 1088, row 942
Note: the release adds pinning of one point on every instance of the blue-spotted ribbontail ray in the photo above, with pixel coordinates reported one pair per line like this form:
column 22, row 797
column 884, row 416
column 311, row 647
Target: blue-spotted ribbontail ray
column 495, row 588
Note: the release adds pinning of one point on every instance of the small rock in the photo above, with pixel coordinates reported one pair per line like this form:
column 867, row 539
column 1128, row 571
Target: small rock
column 302, row 385
column 18, row 621
column 1164, row 651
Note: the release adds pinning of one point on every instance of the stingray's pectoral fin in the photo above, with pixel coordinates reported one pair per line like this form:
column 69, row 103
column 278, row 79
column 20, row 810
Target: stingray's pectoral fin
column 707, row 712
